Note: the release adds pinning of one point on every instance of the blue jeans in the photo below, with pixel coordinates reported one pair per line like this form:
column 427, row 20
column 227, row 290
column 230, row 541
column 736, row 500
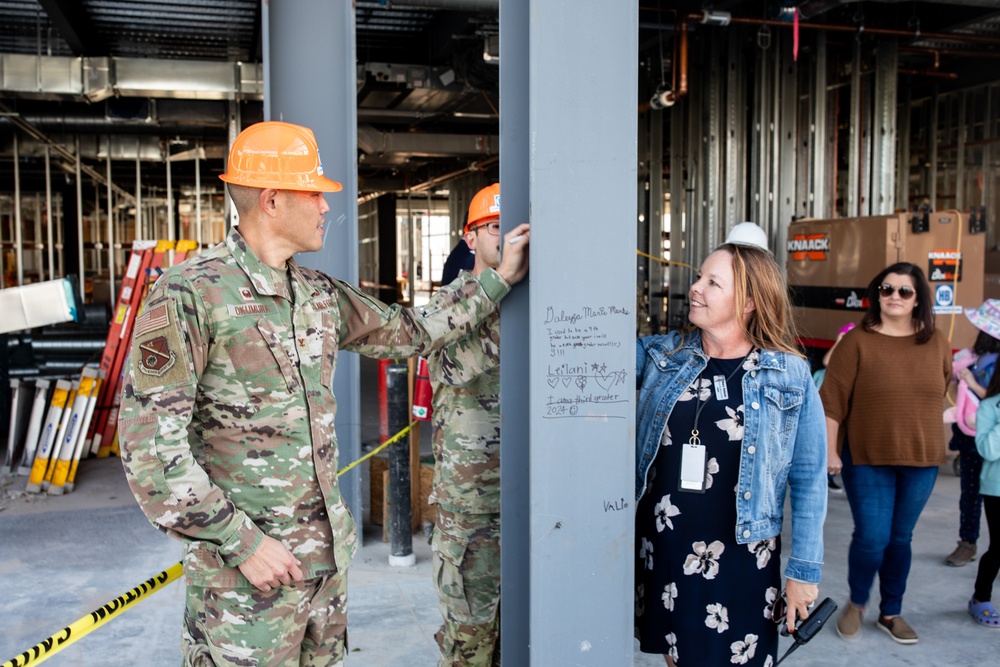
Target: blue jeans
column 886, row 502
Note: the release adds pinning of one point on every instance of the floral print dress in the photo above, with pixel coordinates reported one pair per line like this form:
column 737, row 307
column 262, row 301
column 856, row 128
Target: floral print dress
column 701, row 597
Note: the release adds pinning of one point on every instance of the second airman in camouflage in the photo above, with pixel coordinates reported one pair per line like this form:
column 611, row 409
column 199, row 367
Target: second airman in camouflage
column 466, row 541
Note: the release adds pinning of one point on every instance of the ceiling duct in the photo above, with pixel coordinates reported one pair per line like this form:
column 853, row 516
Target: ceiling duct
column 97, row 79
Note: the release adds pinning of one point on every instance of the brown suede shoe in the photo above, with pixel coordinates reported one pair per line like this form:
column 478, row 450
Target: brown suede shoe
column 849, row 624
column 963, row 553
column 898, row 629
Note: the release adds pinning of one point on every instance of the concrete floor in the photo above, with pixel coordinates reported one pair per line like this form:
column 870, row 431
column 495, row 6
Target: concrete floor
column 62, row 557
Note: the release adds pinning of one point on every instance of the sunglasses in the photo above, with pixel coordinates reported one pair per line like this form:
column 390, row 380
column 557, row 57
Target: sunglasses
column 905, row 291
column 778, row 614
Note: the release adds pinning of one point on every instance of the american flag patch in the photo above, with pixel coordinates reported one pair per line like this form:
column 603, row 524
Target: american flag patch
column 154, row 318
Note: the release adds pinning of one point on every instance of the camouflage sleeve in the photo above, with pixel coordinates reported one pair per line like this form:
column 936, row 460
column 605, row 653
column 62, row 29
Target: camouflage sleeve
column 374, row 329
column 165, row 364
column 459, row 363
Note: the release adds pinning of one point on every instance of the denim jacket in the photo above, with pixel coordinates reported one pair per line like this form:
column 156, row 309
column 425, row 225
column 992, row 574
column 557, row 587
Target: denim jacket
column 784, row 441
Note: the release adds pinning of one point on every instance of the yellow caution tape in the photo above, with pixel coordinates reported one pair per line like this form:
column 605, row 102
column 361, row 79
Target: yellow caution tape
column 377, row 449
column 57, row 642
column 665, row 261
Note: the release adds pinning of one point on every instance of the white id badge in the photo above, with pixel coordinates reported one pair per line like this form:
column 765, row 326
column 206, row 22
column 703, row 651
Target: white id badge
column 692, row 468
column 721, row 389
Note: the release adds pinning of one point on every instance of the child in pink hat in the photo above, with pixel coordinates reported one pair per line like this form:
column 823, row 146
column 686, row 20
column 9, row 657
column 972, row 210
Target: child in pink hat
column 973, row 368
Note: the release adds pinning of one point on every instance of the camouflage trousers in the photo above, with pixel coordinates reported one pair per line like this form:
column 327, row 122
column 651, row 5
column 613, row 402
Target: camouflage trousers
column 301, row 625
column 467, row 578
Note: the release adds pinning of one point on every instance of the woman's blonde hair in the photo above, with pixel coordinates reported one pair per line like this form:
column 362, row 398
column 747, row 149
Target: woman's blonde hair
column 756, row 276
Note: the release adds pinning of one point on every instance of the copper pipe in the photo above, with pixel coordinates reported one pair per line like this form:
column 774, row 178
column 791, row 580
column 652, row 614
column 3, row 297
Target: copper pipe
column 937, row 53
column 928, row 72
column 437, row 180
column 682, row 69
column 891, row 32
column 684, row 61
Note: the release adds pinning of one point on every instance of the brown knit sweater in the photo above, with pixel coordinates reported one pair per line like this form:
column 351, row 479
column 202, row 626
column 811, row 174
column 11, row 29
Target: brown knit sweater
column 889, row 391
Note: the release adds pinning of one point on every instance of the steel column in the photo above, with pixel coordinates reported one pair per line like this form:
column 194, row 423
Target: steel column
column 310, row 78
column 695, row 222
column 138, row 194
column 17, row 236
column 48, row 213
column 989, row 171
column 197, row 191
column 903, row 116
column 679, row 246
column 111, row 233
column 785, row 157
column 763, row 110
column 171, row 233
column 856, row 127
column 712, row 134
column 932, row 140
column 233, row 127
column 655, row 273
column 516, row 560
column 961, row 137
column 735, row 186
column 580, row 379
column 39, row 258
column 882, row 196
column 79, row 220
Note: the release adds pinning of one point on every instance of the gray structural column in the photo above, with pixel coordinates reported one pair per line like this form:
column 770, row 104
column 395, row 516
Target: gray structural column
column 884, row 174
column 854, row 150
column 786, row 153
column 680, row 249
column 568, row 415
column 310, row 79
column 656, row 272
column 819, row 113
column 515, row 412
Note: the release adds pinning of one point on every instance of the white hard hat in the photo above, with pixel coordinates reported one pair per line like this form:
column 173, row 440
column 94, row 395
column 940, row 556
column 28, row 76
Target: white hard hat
column 747, row 233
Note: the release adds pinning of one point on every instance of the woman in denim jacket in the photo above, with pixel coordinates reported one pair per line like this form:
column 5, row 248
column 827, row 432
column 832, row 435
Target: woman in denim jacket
column 728, row 419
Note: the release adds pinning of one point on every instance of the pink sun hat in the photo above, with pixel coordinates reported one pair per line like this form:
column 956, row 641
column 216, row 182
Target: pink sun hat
column 986, row 318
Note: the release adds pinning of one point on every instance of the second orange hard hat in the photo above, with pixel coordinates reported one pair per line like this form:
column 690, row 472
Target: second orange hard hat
column 485, row 206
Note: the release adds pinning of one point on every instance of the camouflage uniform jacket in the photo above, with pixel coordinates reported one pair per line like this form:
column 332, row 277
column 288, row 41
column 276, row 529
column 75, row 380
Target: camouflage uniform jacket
column 227, row 410
column 465, row 376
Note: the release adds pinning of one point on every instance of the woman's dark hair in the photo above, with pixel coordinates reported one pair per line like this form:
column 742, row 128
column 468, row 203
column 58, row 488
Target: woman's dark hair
column 985, row 344
column 993, row 386
column 923, row 316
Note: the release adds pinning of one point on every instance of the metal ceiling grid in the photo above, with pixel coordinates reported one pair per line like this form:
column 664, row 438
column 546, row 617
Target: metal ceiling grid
column 27, row 29
column 188, row 29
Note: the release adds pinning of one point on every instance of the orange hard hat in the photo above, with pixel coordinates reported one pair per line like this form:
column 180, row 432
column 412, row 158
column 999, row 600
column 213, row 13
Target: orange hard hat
column 278, row 155
column 485, row 206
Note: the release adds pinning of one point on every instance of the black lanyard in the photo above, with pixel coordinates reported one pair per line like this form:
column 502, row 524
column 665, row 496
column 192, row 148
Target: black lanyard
column 701, row 404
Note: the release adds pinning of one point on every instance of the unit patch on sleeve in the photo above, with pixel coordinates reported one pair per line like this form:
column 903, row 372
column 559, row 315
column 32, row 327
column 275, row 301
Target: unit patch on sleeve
column 158, row 356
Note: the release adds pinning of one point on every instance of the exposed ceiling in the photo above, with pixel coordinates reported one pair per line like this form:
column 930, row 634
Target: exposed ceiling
column 428, row 75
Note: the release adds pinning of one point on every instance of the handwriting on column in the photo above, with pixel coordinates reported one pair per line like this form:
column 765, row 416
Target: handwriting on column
column 583, row 380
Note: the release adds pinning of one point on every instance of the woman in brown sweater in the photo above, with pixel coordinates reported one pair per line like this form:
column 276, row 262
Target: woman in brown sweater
column 885, row 385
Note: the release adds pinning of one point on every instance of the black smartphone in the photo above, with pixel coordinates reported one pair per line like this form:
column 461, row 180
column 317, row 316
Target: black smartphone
column 809, row 628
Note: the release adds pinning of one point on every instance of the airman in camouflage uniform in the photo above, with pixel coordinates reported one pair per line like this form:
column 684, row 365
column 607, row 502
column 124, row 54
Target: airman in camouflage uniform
column 465, row 376
column 227, row 420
